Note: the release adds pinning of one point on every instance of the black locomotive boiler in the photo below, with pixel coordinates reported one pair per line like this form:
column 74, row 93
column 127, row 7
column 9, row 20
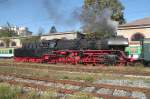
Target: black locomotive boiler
column 78, row 51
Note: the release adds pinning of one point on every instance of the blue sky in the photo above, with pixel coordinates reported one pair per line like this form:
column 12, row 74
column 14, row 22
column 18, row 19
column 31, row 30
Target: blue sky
column 33, row 13
column 136, row 9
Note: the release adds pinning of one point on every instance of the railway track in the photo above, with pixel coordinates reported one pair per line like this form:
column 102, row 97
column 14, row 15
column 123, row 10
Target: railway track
column 78, row 86
column 89, row 69
column 67, row 91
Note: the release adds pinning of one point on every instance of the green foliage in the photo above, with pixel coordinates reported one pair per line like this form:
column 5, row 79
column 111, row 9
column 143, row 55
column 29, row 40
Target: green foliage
column 89, row 79
column 65, row 77
column 78, row 78
column 14, row 92
column 6, row 32
column 8, row 92
column 33, row 95
column 115, row 6
column 50, row 94
column 45, row 95
column 100, row 18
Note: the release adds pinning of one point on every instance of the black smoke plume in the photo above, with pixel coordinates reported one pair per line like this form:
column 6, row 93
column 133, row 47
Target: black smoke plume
column 98, row 21
column 57, row 13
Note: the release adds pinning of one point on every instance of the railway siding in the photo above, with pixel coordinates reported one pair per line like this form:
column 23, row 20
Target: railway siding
column 129, row 71
column 121, row 91
column 105, row 82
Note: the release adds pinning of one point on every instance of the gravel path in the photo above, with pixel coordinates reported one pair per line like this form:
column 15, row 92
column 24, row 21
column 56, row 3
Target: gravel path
column 131, row 83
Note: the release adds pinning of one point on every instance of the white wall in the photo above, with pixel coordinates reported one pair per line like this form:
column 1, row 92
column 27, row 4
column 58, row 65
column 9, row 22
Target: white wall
column 60, row 36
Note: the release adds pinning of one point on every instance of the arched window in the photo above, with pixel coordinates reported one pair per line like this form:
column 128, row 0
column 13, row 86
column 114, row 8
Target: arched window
column 2, row 44
column 137, row 37
column 13, row 44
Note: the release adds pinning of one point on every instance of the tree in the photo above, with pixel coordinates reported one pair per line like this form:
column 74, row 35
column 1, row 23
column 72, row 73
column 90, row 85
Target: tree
column 99, row 17
column 7, row 31
column 115, row 6
column 53, row 30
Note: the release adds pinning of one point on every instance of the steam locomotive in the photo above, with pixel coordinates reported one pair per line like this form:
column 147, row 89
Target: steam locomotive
column 107, row 51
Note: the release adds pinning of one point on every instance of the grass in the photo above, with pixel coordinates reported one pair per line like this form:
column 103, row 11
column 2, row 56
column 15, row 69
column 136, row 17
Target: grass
column 65, row 77
column 7, row 92
column 49, row 74
column 78, row 78
column 89, row 79
column 108, row 69
column 44, row 95
column 15, row 92
column 60, row 74
column 54, row 74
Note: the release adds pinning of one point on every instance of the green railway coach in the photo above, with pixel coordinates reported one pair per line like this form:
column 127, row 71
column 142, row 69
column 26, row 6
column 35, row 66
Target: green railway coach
column 146, row 51
column 6, row 52
column 134, row 51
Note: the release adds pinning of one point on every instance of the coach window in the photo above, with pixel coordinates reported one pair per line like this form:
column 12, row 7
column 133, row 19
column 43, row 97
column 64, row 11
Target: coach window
column 13, row 44
column 10, row 51
column 1, row 44
column 137, row 37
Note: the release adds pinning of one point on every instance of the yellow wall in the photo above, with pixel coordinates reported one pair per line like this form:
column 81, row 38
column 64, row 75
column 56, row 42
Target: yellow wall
column 130, row 32
column 17, row 41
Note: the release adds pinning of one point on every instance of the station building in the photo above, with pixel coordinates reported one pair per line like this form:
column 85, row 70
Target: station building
column 12, row 42
column 136, row 30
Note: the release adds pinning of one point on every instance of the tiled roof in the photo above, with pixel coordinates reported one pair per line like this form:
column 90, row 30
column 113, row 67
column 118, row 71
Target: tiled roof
column 144, row 21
